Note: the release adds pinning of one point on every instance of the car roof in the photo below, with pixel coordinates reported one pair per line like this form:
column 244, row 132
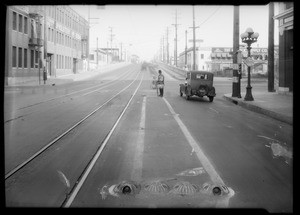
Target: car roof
column 199, row 71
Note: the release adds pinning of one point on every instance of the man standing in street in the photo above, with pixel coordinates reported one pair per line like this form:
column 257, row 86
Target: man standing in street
column 160, row 83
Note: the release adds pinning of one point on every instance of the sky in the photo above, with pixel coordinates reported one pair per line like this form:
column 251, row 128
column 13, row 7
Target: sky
column 140, row 28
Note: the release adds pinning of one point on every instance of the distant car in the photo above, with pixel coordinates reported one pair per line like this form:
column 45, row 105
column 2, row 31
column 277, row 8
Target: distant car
column 198, row 83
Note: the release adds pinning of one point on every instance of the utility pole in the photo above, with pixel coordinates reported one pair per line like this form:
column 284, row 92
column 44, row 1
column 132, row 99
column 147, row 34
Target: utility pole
column 111, row 39
column 39, row 46
column 194, row 39
column 121, row 53
column 167, row 45
column 236, row 84
column 271, row 49
column 107, row 52
column 88, row 42
column 97, row 52
column 163, row 48
column 45, row 47
column 185, row 48
column 175, row 47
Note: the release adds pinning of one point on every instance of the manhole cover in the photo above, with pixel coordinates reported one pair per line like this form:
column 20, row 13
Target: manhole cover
column 184, row 188
column 126, row 188
column 157, row 187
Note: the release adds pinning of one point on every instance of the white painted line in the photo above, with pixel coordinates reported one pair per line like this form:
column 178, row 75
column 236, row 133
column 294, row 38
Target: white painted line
column 95, row 158
column 214, row 110
column 136, row 174
column 201, row 156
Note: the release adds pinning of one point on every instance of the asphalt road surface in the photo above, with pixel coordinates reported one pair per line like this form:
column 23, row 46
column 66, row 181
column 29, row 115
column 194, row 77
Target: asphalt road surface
column 135, row 149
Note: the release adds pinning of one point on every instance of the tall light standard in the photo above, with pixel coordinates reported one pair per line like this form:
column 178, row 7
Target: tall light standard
column 249, row 37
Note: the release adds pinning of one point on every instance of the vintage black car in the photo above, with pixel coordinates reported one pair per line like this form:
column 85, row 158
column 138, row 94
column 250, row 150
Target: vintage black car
column 198, row 83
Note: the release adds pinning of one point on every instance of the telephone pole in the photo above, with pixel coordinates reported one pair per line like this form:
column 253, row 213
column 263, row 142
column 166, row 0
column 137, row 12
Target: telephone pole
column 194, row 39
column 185, row 47
column 97, row 52
column 175, row 47
column 167, row 45
column 163, row 48
column 121, row 53
column 271, row 49
column 111, row 40
column 236, row 84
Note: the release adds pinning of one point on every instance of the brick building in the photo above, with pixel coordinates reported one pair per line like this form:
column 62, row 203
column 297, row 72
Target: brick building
column 50, row 37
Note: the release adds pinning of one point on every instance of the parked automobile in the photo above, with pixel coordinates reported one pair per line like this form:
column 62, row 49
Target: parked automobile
column 198, row 83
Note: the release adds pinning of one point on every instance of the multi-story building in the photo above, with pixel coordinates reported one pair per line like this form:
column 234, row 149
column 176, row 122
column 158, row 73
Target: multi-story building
column 219, row 59
column 38, row 37
column 285, row 19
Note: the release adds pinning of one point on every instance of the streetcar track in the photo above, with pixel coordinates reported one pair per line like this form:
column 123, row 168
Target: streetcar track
column 24, row 163
column 74, row 191
column 66, row 95
column 71, row 98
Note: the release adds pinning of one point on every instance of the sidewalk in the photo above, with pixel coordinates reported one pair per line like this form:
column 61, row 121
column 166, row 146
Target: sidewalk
column 272, row 104
column 67, row 78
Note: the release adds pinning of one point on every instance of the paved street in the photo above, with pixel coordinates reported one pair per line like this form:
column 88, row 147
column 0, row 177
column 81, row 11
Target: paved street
column 168, row 151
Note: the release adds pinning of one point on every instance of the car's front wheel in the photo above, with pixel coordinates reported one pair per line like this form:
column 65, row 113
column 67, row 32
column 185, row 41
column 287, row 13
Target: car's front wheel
column 180, row 92
column 211, row 98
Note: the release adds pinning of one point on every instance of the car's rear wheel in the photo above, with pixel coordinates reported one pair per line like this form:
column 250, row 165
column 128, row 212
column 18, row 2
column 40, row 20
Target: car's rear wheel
column 180, row 92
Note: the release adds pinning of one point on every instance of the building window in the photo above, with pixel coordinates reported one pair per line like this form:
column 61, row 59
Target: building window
column 52, row 38
column 31, row 58
column 288, row 5
column 20, row 58
column 36, row 59
column 62, row 61
column 202, row 56
column 25, row 58
column 49, row 34
column 25, row 25
column 20, row 23
column 14, row 56
column 14, row 21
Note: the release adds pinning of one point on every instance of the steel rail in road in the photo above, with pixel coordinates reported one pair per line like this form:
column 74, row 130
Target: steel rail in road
column 20, row 166
column 104, row 85
column 78, row 91
column 79, row 183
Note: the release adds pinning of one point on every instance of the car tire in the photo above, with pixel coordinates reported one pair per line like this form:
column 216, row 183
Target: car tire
column 211, row 98
column 180, row 93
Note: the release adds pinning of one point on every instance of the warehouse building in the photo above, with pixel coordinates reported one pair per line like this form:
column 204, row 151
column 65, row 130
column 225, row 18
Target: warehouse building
column 44, row 41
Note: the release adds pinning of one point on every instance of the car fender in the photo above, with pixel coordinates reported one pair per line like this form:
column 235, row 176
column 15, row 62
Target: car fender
column 212, row 92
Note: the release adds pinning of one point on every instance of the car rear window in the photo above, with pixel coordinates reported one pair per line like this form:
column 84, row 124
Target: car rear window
column 202, row 76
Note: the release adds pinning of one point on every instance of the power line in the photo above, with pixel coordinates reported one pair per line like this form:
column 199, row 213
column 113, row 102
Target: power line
column 213, row 13
column 210, row 16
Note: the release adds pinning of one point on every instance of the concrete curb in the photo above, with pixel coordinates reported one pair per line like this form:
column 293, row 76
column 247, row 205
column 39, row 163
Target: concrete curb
column 257, row 109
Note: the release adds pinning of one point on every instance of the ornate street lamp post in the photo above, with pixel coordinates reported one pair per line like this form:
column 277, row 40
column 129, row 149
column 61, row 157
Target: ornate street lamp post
column 249, row 37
